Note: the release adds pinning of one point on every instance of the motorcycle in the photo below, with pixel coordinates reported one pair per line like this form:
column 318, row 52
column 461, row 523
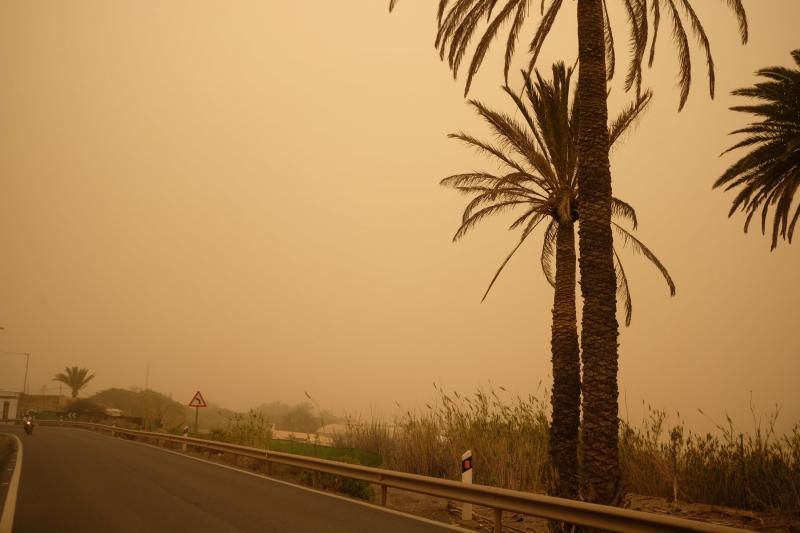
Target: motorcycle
column 29, row 427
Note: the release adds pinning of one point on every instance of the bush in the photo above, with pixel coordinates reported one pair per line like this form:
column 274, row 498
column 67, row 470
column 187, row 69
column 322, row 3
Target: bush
column 343, row 485
column 249, row 429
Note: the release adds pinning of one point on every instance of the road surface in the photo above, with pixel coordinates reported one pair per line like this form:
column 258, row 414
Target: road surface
column 77, row 480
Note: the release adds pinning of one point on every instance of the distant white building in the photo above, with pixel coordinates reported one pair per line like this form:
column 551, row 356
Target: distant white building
column 111, row 411
column 9, row 402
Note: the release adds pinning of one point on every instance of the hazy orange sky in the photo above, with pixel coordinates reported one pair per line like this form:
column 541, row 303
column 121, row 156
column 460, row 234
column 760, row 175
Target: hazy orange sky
column 246, row 195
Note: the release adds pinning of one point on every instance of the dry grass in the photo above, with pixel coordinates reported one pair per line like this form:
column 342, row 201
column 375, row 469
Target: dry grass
column 758, row 470
column 508, row 437
column 502, row 435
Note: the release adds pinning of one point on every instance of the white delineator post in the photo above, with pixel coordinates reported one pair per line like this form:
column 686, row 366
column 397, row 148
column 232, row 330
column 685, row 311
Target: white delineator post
column 185, row 434
column 466, row 477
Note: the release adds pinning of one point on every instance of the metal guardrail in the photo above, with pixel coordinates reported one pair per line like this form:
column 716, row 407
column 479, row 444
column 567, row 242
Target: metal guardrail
column 500, row 500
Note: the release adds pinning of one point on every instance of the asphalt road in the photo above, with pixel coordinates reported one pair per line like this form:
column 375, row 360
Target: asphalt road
column 77, row 480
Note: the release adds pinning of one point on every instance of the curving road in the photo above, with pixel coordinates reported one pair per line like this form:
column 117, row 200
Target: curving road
column 77, row 480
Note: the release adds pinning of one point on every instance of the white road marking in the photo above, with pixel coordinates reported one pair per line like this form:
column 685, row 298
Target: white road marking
column 7, row 517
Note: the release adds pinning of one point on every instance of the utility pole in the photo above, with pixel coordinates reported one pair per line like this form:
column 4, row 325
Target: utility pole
column 25, row 383
column 27, row 363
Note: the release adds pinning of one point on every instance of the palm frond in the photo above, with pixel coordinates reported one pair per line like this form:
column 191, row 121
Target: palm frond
column 545, row 25
column 608, row 37
column 450, row 24
column 684, row 59
column 741, row 17
column 464, row 33
column 487, row 148
column 528, row 230
column 656, row 10
column 514, row 136
column 637, row 17
column 486, row 40
column 623, row 290
column 628, row 116
column 702, row 39
column 624, row 211
column 793, row 223
column 439, row 11
column 639, row 247
column 768, row 176
column 470, row 179
column 525, row 114
column 550, row 102
column 548, row 255
column 473, row 219
column 513, row 36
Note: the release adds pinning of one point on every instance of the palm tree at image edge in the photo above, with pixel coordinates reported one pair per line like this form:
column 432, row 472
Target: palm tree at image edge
column 769, row 175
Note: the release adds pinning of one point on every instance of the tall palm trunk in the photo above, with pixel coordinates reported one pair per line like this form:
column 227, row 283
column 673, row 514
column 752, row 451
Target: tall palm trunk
column 566, row 397
column 599, row 329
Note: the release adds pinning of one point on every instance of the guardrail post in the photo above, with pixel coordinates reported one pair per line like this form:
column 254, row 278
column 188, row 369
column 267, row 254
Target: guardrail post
column 498, row 521
column 384, row 491
column 316, row 479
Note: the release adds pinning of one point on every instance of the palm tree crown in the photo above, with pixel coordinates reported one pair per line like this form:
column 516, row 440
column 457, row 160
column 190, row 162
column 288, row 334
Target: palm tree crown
column 770, row 174
column 541, row 161
column 458, row 22
column 75, row 378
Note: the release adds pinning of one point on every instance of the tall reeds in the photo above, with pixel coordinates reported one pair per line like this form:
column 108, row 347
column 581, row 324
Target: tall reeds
column 758, row 470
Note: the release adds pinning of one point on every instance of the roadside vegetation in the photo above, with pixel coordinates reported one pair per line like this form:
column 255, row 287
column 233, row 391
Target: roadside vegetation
column 758, row 470
column 6, row 447
column 253, row 429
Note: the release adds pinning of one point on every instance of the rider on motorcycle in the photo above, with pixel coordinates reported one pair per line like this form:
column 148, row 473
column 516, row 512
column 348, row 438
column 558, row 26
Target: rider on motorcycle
column 27, row 422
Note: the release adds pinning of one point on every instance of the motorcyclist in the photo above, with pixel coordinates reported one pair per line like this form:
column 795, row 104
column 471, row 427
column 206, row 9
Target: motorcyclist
column 27, row 421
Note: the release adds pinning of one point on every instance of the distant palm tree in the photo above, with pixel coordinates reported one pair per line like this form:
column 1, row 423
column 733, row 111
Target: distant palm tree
column 75, row 378
column 458, row 23
column 770, row 174
column 540, row 159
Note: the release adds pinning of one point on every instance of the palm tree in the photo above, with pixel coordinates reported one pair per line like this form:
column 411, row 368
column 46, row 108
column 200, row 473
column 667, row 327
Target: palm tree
column 75, row 378
column 540, row 160
column 458, row 22
column 770, row 173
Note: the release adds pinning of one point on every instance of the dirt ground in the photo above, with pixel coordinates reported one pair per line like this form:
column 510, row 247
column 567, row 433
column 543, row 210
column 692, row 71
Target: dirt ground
column 450, row 513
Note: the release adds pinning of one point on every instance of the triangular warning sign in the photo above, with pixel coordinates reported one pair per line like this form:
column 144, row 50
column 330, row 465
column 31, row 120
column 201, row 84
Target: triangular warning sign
column 198, row 400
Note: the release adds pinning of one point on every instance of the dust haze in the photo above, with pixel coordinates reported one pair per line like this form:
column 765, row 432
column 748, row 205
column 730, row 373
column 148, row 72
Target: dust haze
column 245, row 195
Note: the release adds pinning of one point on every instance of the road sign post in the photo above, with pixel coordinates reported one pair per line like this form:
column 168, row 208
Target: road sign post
column 197, row 402
column 466, row 477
